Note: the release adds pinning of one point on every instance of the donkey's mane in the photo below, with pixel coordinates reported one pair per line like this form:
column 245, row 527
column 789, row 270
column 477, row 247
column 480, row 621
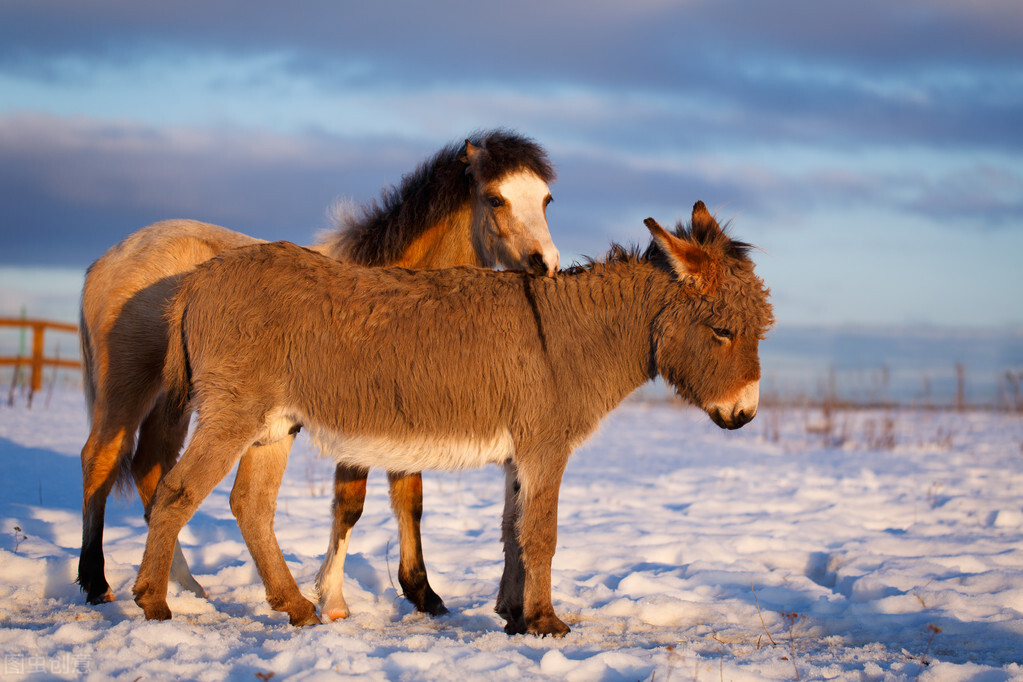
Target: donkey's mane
column 379, row 233
column 699, row 232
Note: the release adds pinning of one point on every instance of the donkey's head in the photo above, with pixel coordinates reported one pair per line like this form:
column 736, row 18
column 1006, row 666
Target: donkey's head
column 707, row 338
column 511, row 195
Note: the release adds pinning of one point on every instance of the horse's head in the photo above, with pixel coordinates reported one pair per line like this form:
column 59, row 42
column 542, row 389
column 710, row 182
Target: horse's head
column 511, row 198
column 707, row 338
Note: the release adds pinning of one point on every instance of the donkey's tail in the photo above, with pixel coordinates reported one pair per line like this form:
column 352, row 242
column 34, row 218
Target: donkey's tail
column 177, row 371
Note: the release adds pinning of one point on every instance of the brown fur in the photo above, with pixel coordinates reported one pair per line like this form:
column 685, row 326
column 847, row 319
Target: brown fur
column 438, row 216
column 496, row 365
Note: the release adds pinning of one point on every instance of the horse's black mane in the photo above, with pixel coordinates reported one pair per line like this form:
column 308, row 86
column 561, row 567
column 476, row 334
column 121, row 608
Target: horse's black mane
column 438, row 187
column 699, row 232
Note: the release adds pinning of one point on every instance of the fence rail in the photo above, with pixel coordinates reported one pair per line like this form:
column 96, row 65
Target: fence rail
column 38, row 360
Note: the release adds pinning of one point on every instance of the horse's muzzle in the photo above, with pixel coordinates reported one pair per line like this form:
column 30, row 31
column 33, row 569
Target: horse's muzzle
column 537, row 264
column 735, row 420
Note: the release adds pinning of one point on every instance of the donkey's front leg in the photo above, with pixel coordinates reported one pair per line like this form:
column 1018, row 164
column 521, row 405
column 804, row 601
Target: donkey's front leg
column 254, row 502
column 538, row 536
column 349, row 499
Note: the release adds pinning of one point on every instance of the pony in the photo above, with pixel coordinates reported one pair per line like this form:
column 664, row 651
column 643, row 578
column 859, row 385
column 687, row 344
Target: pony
column 482, row 203
column 381, row 365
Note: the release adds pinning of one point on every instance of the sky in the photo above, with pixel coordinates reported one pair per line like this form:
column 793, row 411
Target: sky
column 873, row 151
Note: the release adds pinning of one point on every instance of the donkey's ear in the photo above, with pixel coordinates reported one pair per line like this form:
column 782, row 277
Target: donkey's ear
column 702, row 218
column 686, row 259
column 471, row 151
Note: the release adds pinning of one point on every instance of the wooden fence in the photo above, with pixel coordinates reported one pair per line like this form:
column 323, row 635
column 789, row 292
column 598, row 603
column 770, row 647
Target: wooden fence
column 37, row 360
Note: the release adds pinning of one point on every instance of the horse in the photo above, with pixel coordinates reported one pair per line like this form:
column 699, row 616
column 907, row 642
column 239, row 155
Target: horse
column 381, row 365
column 482, row 203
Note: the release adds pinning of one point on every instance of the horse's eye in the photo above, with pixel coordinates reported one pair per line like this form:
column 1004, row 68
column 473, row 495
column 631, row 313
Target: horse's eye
column 495, row 201
column 547, row 201
column 723, row 334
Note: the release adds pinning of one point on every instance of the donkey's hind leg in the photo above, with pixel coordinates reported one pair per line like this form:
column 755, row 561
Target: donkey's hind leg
column 160, row 439
column 349, row 499
column 205, row 462
column 253, row 502
column 407, row 503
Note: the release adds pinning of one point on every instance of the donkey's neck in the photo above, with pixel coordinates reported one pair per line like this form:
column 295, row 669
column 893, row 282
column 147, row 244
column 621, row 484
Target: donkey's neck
column 603, row 336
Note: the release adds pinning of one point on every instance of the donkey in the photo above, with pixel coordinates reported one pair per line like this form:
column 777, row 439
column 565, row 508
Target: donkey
column 482, row 203
column 381, row 365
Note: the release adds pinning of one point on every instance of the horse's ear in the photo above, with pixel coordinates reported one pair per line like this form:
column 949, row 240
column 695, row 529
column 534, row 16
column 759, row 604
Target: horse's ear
column 686, row 258
column 471, row 151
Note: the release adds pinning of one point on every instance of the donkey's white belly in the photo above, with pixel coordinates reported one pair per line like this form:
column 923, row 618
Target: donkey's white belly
column 415, row 454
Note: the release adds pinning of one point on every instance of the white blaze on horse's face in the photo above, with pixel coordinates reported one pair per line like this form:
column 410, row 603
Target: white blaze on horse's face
column 519, row 202
column 738, row 409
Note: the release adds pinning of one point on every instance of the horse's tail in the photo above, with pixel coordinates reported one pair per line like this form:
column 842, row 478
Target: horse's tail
column 177, row 371
column 88, row 368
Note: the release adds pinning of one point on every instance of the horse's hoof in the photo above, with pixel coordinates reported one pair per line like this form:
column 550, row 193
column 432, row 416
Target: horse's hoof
column 432, row 604
column 101, row 598
column 334, row 609
column 307, row 620
column 335, row 614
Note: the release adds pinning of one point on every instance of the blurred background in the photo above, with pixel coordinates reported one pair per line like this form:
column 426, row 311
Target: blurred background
column 873, row 151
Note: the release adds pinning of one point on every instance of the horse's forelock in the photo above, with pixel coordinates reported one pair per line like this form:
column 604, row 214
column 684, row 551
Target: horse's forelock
column 505, row 152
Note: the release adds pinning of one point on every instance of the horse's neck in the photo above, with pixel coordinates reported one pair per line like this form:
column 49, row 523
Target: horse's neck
column 445, row 244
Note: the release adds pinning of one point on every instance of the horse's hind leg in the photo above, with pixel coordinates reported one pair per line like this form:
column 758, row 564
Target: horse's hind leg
column 540, row 480
column 510, row 592
column 101, row 463
column 253, row 502
column 349, row 499
column 204, row 464
column 407, row 503
column 160, row 439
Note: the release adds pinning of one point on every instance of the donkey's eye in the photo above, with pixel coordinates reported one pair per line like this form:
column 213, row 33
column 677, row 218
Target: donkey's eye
column 495, row 201
column 722, row 333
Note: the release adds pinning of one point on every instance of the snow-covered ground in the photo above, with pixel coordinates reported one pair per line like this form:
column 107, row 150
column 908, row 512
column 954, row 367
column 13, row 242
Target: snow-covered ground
column 867, row 546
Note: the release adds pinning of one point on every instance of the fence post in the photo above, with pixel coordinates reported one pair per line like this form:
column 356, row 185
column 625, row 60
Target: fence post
column 38, row 330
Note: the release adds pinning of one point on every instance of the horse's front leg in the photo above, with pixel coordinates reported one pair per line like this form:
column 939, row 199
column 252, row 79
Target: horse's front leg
column 407, row 503
column 349, row 499
column 509, row 594
column 540, row 479
column 254, row 503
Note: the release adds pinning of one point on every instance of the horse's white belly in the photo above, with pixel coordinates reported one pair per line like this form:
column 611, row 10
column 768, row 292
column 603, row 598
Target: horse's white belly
column 414, row 454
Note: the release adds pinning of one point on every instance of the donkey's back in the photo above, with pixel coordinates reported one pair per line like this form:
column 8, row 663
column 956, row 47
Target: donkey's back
column 353, row 353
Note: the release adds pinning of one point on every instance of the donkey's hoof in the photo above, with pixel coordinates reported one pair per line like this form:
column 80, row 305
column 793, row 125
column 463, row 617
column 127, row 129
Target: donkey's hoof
column 192, row 586
column 157, row 611
column 548, row 625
